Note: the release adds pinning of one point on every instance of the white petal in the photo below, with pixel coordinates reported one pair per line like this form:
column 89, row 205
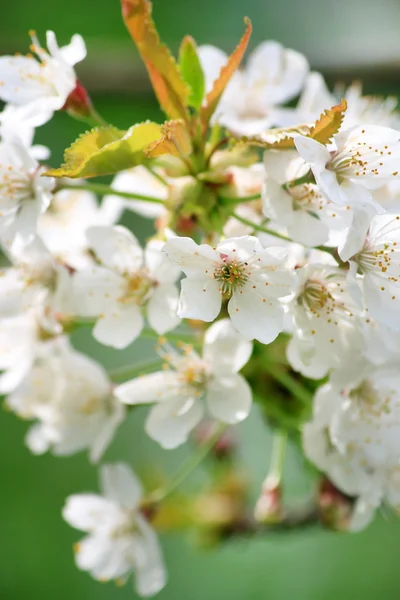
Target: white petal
column 107, row 432
column 193, row 260
column 241, row 248
column 308, row 229
column 212, row 60
column 149, row 388
column 382, row 299
column 225, row 350
column 200, row 299
column 229, row 399
column 87, row 511
column 23, row 80
column 170, row 423
column 313, row 152
column 103, row 556
column 75, row 51
column 357, row 232
column 96, row 291
column 120, row 484
column 255, row 318
column 119, row 328
column 363, row 513
column 162, row 308
column 37, row 440
column 150, row 572
column 116, row 247
column 159, row 265
column 284, row 70
column 140, row 181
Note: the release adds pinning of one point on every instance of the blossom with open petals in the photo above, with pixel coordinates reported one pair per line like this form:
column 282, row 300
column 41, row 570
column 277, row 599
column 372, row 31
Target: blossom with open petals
column 45, row 81
column 378, row 262
column 240, row 270
column 119, row 539
column 326, row 325
column 178, row 390
column 24, row 193
column 273, row 75
column 70, row 397
column 124, row 282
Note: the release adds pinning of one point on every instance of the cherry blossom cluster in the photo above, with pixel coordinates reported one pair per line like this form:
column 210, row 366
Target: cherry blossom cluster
column 275, row 248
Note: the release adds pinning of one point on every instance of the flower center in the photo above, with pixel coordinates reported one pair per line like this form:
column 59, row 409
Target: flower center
column 194, row 374
column 315, row 295
column 306, row 197
column 378, row 258
column 231, row 274
column 138, row 287
column 16, row 186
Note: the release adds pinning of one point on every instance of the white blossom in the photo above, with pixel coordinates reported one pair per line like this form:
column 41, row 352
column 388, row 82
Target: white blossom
column 125, row 281
column 273, row 75
column 326, row 326
column 63, row 226
column 140, row 180
column 378, row 261
column 302, row 209
column 119, row 540
column 35, row 279
column 45, row 81
column 364, row 158
column 252, row 278
column 24, row 193
column 178, row 390
column 353, row 439
column 71, row 398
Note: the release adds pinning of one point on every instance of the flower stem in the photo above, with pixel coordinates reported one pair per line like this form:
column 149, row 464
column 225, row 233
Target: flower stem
column 176, row 336
column 187, row 467
column 241, row 200
column 131, row 371
column 256, row 227
column 290, row 383
column 307, row 178
column 279, row 444
column 103, row 189
column 261, row 228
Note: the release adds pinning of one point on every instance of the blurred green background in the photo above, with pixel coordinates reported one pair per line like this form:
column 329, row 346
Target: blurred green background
column 36, row 561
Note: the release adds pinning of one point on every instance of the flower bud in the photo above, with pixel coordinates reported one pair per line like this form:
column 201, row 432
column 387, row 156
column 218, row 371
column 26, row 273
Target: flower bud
column 269, row 509
column 335, row 507
column 78, row 103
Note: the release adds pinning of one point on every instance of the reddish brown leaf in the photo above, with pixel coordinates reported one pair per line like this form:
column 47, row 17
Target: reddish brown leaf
column 214, row 95
column 168, row 85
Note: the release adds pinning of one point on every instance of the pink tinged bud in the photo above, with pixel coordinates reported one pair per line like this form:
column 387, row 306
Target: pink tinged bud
column 269, row 507
column 224, row 447
column 78, row 103
column 335, row 507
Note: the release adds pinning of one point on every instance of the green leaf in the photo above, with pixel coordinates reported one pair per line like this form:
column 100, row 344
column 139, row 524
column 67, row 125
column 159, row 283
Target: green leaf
column 191, row 71
column 107, row 150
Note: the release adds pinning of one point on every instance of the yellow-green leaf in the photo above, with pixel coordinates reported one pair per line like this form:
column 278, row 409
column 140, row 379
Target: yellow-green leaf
column 322, row 131
column 169, row 87
column 192, row 71
column 329, row 123
column 214, row 95
column 175, row 140
column 107, row 150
